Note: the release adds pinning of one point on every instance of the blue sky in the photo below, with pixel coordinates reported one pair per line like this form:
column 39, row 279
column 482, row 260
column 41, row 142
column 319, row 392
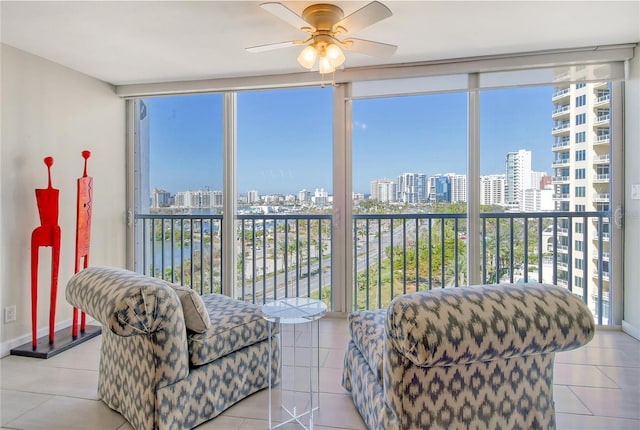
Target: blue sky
column 285, row 137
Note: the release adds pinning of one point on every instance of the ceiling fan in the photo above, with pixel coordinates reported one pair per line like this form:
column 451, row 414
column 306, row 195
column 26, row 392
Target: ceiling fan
column 325, row 23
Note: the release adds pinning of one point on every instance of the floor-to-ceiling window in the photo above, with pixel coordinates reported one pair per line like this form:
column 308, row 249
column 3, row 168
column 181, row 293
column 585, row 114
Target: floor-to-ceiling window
column 409, row 183
column 285, row 188
column 449, row 177
column 179, row 189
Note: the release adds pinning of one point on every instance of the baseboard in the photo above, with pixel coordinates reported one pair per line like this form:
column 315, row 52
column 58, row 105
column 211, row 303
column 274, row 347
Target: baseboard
column 631, row 330
column 6, row 347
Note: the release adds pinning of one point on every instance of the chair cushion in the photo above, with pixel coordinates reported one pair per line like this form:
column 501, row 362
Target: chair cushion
column 196, row 317
column 234, row 325
column 368, row 332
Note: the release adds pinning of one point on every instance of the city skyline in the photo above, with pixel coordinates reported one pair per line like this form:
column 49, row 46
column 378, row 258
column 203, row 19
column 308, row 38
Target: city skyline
column 186, row 135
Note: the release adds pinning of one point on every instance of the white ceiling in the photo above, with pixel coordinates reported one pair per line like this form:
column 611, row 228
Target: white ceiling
column 124, row 42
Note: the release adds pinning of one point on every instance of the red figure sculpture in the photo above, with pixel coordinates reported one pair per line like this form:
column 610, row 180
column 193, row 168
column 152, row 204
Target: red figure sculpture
column 83, row 233
column 48, row 234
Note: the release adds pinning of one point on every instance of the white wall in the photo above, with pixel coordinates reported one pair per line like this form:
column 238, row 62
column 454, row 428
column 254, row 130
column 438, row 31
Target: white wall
column 631, row 312
column 50, row 110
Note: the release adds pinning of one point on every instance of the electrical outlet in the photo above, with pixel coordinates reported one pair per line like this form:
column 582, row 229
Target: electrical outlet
column 10, row 314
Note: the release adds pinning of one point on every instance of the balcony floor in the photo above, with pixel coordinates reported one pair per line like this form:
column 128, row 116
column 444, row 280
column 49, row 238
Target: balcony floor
column 596, row 387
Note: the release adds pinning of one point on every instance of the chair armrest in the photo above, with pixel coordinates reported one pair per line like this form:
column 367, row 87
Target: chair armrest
column 126, row 302
column 483, row 323
column 130, row 304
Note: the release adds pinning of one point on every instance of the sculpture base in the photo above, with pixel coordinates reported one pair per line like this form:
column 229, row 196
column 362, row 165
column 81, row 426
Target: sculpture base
column 63, row 341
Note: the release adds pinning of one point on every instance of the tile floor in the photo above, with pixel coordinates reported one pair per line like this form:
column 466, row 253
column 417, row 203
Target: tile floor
column 597, row 387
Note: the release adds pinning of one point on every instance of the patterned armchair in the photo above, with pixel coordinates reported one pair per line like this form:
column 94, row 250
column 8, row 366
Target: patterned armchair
column 154, row 369
column 459, row 358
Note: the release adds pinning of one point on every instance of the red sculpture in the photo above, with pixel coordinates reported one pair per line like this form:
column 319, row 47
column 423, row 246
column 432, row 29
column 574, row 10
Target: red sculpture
column 48, row 234
column 83, row 233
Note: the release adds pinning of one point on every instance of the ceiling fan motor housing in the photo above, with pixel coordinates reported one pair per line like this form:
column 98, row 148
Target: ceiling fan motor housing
column 322, row 16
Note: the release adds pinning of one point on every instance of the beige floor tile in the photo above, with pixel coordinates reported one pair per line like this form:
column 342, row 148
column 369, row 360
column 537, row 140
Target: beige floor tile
column 15, row 403
column 338, row 410
column 335, row 358
column 301, row 355
column 589, row 422
column 613, row 339
column 22, row 375
column 610, row 402
column 82, row 356
column 624, row 377
column 581, row 375
column 600, row 357
column 66, row 413
column 331, row 381
column 567, row 402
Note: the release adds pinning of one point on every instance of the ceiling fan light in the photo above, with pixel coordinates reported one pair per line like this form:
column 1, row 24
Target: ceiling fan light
column 335, row 55
column 325, row 65
column 307, row 57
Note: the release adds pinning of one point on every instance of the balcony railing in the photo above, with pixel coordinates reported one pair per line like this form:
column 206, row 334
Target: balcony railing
column 558, row 111
column 560, row 127
column 560, row 93
column 289, row 255
column 601, row 197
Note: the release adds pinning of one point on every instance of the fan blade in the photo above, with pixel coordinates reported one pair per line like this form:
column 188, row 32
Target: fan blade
column 363, row 17
column 369, row 47
column 272, row 46
column 288, row 16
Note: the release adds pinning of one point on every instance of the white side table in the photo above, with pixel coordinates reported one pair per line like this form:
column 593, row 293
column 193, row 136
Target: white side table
column 296, row 311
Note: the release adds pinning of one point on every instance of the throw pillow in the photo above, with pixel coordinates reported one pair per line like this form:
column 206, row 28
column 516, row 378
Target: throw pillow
column 196, row 317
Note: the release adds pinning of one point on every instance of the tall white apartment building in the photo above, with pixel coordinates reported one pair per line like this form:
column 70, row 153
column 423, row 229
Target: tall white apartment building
column 304, row 196
column 536, row 179
column 320, row 197
column 412, row 188
column 536, row 200
column 581, row 179
column 182, row 199
column 518, row 178
column 252, row 196
column 383, row 190
column 492, row 190
column 216, row 198
column 200, row 199
column 458, row 185
column 160, row 198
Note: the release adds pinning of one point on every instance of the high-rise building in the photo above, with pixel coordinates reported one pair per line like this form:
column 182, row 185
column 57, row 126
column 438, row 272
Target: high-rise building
column 412, row 188
column 304, row 196
column 581, row 166
column 518, row 178
column 439, row 188
column 252, row 196
column 216, row 198
column 201, row 199
column 458, row 187
column 492, row 190
column 383, row 190
column 320, row 197
column 160, row 198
